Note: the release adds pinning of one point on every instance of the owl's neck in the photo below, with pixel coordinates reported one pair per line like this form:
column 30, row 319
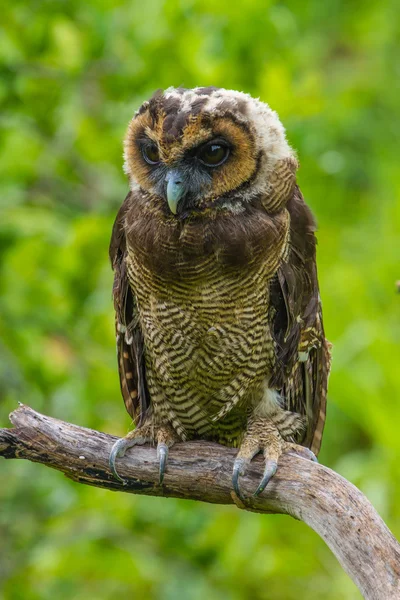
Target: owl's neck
column 169, row 246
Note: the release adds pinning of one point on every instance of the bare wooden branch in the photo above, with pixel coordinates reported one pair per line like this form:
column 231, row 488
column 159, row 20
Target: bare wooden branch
column 324, row 500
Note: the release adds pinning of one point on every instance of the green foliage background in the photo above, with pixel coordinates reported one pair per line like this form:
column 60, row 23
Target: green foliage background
column 72, row 74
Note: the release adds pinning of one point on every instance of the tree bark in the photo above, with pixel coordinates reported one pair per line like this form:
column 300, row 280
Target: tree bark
column 201, row 470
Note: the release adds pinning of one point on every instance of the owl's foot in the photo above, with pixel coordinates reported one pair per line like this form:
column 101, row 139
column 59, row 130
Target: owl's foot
column 164, row 435
column 266, row 435
column 137, row 437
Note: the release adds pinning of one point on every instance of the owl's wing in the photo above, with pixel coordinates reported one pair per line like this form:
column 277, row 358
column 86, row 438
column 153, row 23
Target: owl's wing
column 303, row 357
column 130, row 345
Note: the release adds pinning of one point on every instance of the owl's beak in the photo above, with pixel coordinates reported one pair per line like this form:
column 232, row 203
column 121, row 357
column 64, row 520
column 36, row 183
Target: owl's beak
column 175, row 188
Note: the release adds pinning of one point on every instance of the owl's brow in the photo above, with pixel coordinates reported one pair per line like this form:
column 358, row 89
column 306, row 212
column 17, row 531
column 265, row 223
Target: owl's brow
column 219, row 139
column 146, row 138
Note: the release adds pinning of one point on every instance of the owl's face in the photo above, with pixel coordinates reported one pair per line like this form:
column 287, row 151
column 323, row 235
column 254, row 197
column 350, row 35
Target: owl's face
column 206, row 148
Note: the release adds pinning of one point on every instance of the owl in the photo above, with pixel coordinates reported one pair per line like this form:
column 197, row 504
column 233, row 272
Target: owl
column 218, row 313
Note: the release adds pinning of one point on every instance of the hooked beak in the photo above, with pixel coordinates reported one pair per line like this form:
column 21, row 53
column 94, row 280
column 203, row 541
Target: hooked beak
column 175, row 188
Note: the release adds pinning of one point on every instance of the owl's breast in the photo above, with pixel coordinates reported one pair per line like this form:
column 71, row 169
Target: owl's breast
column 208, row 345
column 205, row 244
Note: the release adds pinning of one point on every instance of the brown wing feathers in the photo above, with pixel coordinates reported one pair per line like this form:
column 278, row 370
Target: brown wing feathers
column 302, row 351
column 129, row 336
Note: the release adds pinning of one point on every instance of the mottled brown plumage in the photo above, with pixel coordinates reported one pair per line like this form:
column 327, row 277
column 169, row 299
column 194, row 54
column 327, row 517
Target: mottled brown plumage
column 219, row 326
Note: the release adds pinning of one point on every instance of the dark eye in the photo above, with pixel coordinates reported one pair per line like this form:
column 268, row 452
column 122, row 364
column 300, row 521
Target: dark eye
column 151, row 154
column 213, row 155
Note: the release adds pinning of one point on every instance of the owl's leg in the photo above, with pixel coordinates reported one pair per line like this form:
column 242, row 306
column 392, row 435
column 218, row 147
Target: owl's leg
column 269, row 435
column 164, row 435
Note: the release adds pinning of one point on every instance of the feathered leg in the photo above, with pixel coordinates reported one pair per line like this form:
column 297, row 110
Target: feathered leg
column 268, row 435
column 164, row 435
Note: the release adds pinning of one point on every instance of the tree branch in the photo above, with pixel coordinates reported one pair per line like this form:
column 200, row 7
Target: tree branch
column 324, row 500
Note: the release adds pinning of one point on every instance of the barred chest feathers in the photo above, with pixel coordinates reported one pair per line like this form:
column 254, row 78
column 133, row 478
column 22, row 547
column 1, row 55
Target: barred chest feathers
column 205, row 323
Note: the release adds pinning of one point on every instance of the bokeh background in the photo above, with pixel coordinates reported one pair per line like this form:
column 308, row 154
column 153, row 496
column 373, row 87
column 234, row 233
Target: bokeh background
column 72, row 74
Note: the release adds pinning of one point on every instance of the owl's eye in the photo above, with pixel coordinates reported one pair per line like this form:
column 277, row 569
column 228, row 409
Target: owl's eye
column 213, row 154
column 151, row 154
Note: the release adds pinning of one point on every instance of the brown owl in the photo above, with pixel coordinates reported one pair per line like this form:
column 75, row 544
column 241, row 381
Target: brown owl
column 218, row 314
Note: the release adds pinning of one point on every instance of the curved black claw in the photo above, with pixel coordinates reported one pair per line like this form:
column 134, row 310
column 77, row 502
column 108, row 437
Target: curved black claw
column 239, row 469
column 310, row 455
column 117, row 451
column 269, row 471
column 303, row 452
column 162, row 455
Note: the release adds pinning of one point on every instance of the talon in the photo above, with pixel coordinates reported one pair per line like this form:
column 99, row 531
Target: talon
column 117, row 451
column 303, row 452
column 269, row 471
column 239, row 468
column 162, row 455
column 311, row 455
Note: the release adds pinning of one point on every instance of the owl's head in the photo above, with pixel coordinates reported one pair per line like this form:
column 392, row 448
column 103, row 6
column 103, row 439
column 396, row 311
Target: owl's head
column 206, row 148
